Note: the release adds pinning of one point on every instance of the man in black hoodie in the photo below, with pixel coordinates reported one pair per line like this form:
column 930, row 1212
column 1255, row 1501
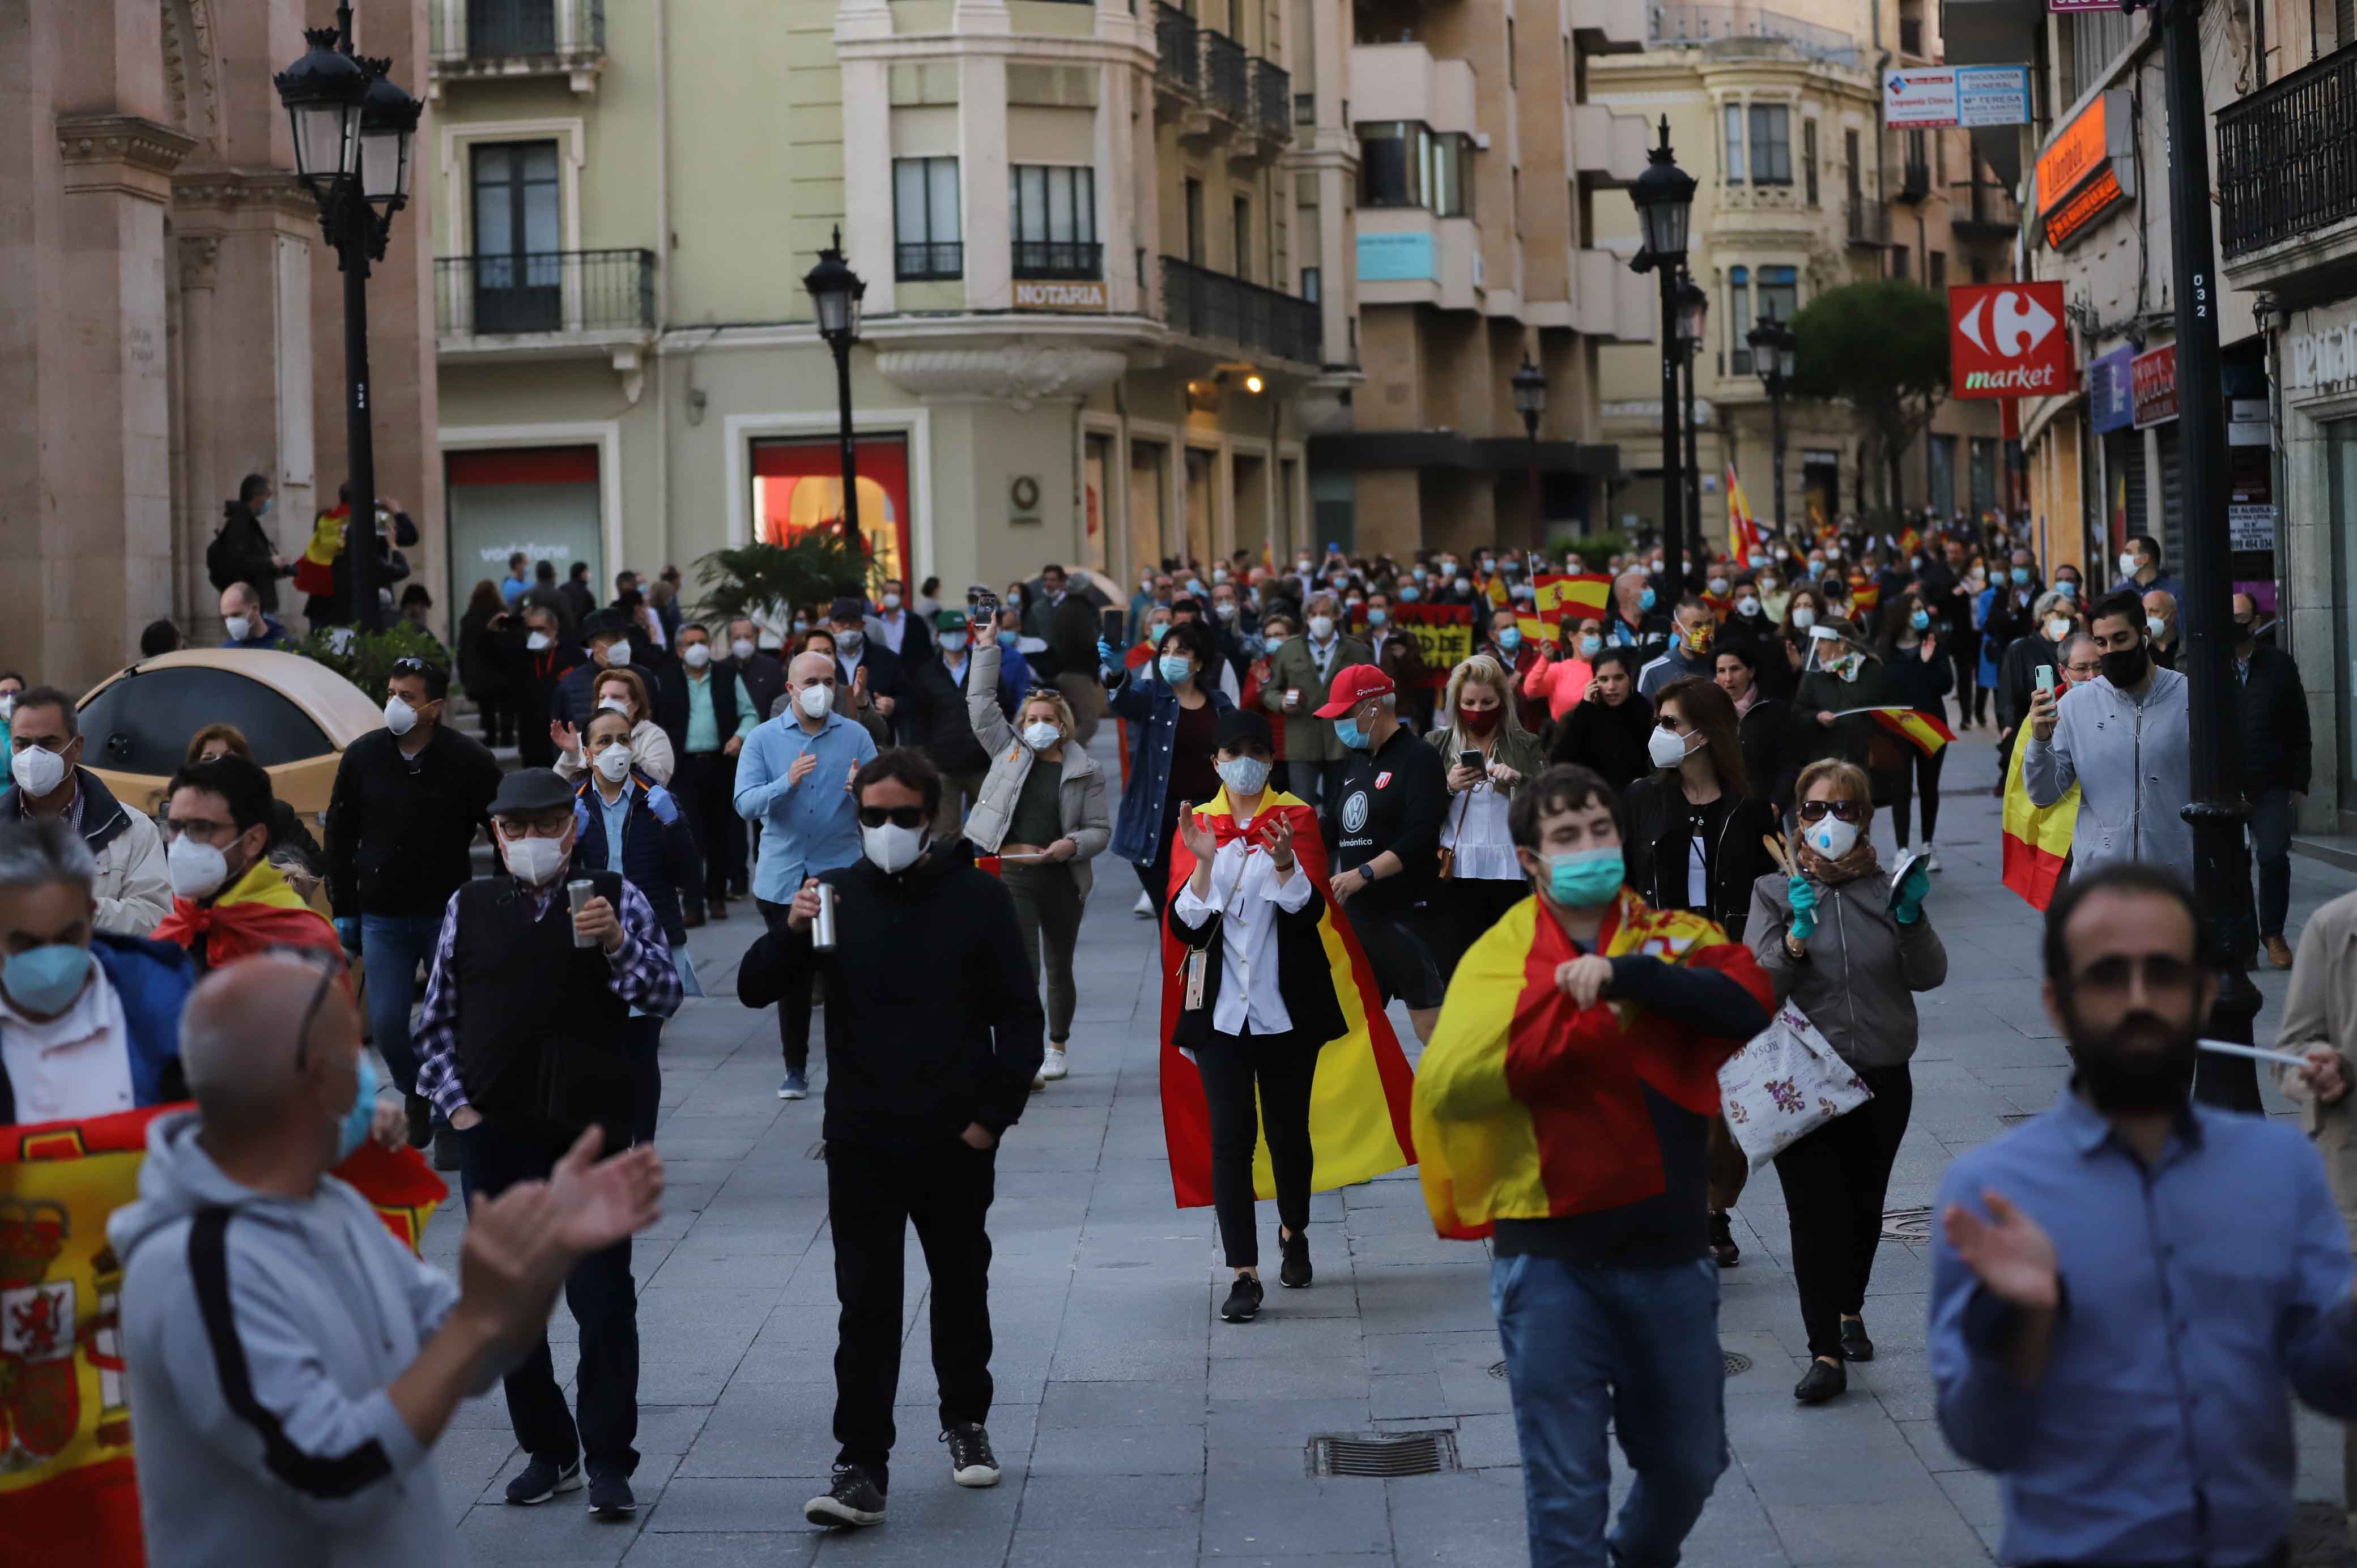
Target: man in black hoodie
column 922, row 1080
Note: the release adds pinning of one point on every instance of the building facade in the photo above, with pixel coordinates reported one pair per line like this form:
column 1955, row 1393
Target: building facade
column 1800, row 190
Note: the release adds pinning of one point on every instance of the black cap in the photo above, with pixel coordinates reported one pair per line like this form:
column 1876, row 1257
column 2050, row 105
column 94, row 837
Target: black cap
column 604, row 623
column 847, row 609
column 1240, row 728
column 529, row 791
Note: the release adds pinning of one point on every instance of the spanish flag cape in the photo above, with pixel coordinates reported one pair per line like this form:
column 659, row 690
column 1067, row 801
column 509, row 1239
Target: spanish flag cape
column 315, row 572
column 68, row 1492
column 2037, row 844
column 257, row 913
column 1488, row 1153
column 1359, row 1101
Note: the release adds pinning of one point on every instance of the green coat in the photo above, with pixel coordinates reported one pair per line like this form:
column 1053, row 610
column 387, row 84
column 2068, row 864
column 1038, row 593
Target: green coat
column 1307, row 737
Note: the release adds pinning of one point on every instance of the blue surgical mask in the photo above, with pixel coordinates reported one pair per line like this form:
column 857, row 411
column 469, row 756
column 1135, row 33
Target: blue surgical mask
column 353, row 1130
column 1007, row 639
column 1175, row 667
column 1509, row 639
column 1590, row 645
column 1347, row 731
column 1378, row 615
column 2067, row 588
column 264, row 510
column 1645, row 600
column 1585, row 878
column 2021, row 574
column 1920, row 619
column 1410, row 593
column 46, row 980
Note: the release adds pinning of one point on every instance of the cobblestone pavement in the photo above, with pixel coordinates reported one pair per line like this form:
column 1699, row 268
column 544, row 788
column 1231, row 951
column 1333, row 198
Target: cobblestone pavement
column 1134, row 1428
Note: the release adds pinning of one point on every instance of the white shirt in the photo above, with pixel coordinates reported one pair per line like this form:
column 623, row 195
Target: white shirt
column 1698, row 874
column 895, row 630
column 1246, row 890
column 77, row 1064
column 1475, row 827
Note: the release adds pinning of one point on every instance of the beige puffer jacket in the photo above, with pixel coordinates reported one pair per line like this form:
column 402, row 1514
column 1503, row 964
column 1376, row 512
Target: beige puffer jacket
column 1087, row 823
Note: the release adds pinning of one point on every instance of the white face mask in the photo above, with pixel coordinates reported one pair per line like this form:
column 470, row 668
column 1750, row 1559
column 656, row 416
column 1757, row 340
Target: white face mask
column 1244, row 775
column 196, row 869
column 815, row 701
column 614, row 705
column 953, row 642
column 695, row 655
column 2157, row 627
column 539, row 642
column 37, row 769
column 892, row 848
column 741, row 649
column 619, row 654
column 849, row 641
column 1040, row 735
column 1666, row 749
column 891, row 601
column 535, row 861
column 7, row 706
column 1747, row 607
column 1225, row 610
column 1321, row 627
column 399, row 716
column 240, row 628
column 2130, row 562
column 1831, row 837
column 614, row 764
column 2057, row 629
column 1804, row 618
column 1718, row 585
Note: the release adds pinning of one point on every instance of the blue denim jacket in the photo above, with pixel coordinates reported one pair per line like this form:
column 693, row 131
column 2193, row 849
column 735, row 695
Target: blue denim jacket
column 1151, row 709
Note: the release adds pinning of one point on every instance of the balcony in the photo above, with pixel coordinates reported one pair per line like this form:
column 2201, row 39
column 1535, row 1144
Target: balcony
column 1691, row 27
column 1178, row 43
column 1272, row 101
column 1910, row 35
column 1227, row 78
column 1608, row 27
column 2287, row 171
column 473, row 38
column 928, row 261
column 1608, row 149
column 1403, row 82
column 577, row 300
column 1064, row 260
column 1870, row 223
column 1992, row 214
column 1611, row 302
column 1914, row 183
column 1222, row 309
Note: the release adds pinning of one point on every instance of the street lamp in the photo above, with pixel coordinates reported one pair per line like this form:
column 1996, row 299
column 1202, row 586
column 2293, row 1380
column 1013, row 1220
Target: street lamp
column 835, row 292
column 1664, row 199
column 1693, row 313
column 1774, row 352
column 352, row 129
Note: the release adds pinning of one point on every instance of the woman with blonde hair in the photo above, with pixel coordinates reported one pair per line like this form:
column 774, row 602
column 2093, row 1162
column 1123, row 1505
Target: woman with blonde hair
column 1490, row 756
column 1850, row 950
column 289, row 831
column 650, row 752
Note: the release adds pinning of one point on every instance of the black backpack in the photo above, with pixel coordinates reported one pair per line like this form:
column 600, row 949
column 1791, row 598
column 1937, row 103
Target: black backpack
column 220, row 562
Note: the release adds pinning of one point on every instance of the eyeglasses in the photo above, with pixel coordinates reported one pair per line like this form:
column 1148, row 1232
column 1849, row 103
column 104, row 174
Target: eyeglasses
column 1843, row 810
column 899, row 816
column 1671, row 723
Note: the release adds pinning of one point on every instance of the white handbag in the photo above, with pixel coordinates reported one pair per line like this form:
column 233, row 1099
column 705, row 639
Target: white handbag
column 1784, row 1083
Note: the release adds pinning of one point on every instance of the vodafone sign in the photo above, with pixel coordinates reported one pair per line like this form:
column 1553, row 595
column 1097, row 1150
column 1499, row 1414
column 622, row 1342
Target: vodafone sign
column 2008, row 340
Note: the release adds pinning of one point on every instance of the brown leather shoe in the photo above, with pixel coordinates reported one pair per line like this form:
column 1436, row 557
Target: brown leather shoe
column 693, row 918
column 719, row 909
column 2278, row 953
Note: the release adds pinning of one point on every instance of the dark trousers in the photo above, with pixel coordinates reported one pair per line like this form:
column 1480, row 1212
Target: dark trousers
column 1318, row 783
column 794, row 1006
column 707, row 785
column 1283, row 1066
column 642, row 1039
column 492, row 1158
column 1834, row 1180
column 1923, row 773
column 2271, row 824
column 1048, row 917
column 1466, row 908
column 1964, row 656
column 498, row 714
column 871, row 1197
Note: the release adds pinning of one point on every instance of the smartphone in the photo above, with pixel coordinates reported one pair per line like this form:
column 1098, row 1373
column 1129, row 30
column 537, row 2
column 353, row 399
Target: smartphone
column 1109, row 625
column 2045, row 681
column 985, row 605
column 1469, row 758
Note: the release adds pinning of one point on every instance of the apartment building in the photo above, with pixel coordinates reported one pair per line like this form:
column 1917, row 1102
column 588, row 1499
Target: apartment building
column 1800, row 190
column 1091, row 319
column 1478, row 160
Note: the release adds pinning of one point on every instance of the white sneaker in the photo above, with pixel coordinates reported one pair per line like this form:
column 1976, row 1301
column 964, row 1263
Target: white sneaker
column 1144, row 908
column 1053, row 1067
column 1930, row 855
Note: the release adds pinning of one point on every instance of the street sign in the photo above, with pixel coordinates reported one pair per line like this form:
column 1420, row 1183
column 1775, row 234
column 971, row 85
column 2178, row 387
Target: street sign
column 2109, row 405
column 2153, row 378
column 2008, row 340
column 1936, row 96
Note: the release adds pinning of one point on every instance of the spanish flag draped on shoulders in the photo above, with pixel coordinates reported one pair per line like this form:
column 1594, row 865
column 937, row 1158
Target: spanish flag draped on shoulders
column 252, row 915
column 1582, row 1132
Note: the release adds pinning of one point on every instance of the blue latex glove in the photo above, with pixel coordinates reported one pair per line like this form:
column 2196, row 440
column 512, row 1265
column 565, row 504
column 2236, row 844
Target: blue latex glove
column 1105, row 657
column 348, row 931
column 1906, row 905
column 1804, row 894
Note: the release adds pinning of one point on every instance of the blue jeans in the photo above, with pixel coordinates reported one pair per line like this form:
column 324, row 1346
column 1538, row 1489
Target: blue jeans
column 392, row 947
column 1637, row 1348
column 2272, row 814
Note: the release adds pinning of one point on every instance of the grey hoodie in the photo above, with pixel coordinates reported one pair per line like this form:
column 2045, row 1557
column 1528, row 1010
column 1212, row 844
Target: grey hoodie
column 1857, row 983
column 2134, row 764
column 262, row 1335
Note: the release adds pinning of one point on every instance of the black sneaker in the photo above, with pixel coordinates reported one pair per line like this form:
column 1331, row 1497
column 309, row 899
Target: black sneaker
column 972, row 1463
column 854, row 1501
column 609, row 1495
column 1243, row 1302
column 1294, row 1274
column 1722, row 1243
column 421, row 1121
column 543, row 1479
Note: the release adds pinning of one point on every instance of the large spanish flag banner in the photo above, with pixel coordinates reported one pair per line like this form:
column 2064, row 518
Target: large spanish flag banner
column 67, row 1491
column 2037, row 838
column 1359, row 1101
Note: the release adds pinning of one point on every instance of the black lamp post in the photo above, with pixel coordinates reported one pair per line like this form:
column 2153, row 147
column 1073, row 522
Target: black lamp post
column 1693, row 314
column 1774, row 352
column 836, row 291
column 1664, row 199
column 353, row 130
column 1530, row 384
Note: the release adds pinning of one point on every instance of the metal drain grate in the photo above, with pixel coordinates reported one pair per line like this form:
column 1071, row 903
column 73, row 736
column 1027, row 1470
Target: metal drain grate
column 2016, row 1118
column 1384, row 1454
column 1497, row 1371
column 1736, row 1362
column 1907, row 1224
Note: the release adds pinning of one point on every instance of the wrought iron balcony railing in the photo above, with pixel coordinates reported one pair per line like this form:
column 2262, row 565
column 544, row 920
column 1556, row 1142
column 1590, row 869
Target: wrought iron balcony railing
column 1178, row 40
column 1869, row 221
column 507, row 33
column 1272, row 99
column 2287, row 156
column 1677, row 25
column 1201, row 304
column 1227, row 76
column 924, row 260
column 1071, row 260
column 545, row 293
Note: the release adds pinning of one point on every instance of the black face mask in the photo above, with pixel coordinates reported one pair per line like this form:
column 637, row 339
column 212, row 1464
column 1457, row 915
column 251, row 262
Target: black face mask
column 2243, row 633
column 2128, row 666
column 2142, row 1064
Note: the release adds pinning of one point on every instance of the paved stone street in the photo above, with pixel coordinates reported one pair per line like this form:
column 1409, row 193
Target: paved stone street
column 1136, row 1428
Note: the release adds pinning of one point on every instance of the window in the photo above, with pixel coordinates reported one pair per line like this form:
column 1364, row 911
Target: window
column 1735, row 144
column 925, row 219
column 1512, row 71
column 1898, row 263
column 1780, row 292
column 1940, row 156
column 1309, row 284
column 1195, row 221
column 1935, row 270
column 1404, row 162
column 1242, row 229
column 1983, row 475
column 2096, row 39
column 1941, row 475
column 1980, row 271
column 1771, row 144
column 1055, row 222
column 1809, row 157
column 1849, row 165
column 1738, row 320
column 518, row 282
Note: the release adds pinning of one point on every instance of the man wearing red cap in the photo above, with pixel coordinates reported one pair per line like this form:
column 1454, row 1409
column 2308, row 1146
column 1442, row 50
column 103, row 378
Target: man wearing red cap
column 1385, row 826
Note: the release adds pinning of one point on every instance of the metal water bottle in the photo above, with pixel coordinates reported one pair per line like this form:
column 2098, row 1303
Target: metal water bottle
column 576, row 894
column 822, row 924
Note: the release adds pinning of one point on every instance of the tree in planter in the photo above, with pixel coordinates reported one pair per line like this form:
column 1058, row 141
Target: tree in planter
column 366, row 657
column 1594, row 550
column 768, row 582
column 1881, row 347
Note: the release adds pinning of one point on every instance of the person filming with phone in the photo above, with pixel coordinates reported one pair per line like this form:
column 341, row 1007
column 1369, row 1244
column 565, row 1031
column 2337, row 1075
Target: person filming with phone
column 2124, row 739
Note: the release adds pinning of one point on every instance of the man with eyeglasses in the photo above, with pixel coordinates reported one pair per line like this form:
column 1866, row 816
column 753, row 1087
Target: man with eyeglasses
column 229, row 902
column 523, row 1046
column 46, row 743
column 2123, row 738
column 922, row 1081
column 793, row 778
column 2125, row 1289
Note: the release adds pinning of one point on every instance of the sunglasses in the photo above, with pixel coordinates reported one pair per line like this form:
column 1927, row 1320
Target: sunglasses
column 1845, row 811
column 899, row 816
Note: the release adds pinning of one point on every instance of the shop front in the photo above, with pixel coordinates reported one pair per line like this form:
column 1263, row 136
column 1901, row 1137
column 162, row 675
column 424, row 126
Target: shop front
column 2317, row 368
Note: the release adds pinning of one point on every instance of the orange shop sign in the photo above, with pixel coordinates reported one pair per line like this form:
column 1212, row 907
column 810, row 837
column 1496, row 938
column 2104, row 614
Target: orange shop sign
column 2078, row 150
column 2091, row 201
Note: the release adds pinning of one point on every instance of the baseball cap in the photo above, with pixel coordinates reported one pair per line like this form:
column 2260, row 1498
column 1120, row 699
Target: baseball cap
column 1353, row 686
column 847, row 611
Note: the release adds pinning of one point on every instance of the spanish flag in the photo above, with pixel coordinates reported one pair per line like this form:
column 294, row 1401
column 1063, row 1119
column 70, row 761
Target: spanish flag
column 1565, row 596
column 1924, row 732
column 1494, row 589
column 1359, row 1101
column 315, row 571
column 2037, row 838
column 1742, row 532
column 259, row 912
column 1864, row 597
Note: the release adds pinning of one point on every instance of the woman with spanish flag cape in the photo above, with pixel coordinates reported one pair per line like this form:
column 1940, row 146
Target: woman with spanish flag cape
column 1359, row 1096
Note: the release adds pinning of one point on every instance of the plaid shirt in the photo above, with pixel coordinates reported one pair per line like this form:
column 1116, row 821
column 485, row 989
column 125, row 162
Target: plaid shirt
column 643, row 976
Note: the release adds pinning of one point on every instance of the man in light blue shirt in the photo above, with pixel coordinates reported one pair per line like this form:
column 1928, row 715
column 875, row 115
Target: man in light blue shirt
column 2126, row 1289
column 513, row 585
column 794, row 779
column 719, row 717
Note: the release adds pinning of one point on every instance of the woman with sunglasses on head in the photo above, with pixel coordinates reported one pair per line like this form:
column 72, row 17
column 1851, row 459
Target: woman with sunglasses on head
column 1607, row 730
column 1491, row 756
column 1922, row 676
column 1042, row 811
column 1849, row 951
column 1171, row 713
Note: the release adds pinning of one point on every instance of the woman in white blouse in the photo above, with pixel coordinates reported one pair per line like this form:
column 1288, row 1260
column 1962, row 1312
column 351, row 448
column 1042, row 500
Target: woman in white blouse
column 650, row 753
column 1490, row 756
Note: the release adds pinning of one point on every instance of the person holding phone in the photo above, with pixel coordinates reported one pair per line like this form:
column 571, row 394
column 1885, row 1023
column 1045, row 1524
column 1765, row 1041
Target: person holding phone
column 1171, row 710
column 1607, row 730
column 1490, row 759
